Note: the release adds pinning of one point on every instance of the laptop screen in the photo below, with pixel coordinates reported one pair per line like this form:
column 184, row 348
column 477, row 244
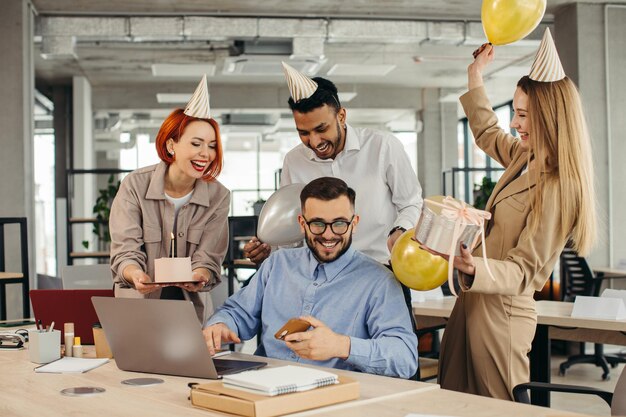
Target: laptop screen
column 160, row 337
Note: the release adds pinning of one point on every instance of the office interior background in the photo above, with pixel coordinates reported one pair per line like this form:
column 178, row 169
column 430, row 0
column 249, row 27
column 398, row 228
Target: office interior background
column 85, row 85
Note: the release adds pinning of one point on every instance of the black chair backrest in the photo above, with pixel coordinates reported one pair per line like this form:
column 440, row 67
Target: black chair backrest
column 576, row 276
column 239, row 227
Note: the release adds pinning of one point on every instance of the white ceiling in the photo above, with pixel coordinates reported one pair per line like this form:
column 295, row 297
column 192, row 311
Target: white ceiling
column 120, row 67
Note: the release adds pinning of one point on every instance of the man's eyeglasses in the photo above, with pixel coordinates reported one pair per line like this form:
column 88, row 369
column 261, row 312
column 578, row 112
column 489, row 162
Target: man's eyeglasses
column 339, row 227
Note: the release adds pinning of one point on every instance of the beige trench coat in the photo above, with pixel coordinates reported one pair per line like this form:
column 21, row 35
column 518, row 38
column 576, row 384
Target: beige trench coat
column 142, row 220
column 486, row 343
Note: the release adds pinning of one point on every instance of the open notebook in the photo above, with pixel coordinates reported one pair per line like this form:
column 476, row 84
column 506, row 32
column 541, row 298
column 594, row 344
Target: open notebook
column 70, row 365
column 280, row 380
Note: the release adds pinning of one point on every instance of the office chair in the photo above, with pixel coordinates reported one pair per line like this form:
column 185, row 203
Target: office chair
column 429, row 360
column 578, row 279
column 616, row 400
column 240, row 230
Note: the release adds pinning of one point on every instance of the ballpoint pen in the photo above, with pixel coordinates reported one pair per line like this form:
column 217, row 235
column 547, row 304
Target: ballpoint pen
column 39, row 325
column 173, row 242
column 51, row 327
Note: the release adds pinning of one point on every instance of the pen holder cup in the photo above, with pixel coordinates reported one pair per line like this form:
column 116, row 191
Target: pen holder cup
column 102, row 346
column 44, row 347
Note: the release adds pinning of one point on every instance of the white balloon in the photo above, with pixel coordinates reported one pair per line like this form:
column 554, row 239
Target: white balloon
column 278, row 221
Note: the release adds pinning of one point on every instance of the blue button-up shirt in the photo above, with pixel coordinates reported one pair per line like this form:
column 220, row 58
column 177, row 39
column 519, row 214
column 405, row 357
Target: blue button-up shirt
column 353, row 295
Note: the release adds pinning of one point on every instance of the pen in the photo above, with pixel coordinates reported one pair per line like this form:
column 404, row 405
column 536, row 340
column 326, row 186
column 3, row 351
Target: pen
column 39, row 325
column 172, row 246
column 51, row 327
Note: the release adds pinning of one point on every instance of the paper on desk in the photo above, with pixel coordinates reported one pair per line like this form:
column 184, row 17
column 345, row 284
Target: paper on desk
column 610, row 293
column 421, row 296
column 68, row 365
column 603, row 308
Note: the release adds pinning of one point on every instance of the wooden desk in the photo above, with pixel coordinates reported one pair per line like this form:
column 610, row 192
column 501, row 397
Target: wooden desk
column 26, row 393
column 610, row 272
column 444, row 402
column 432, row 313
column 554, row 321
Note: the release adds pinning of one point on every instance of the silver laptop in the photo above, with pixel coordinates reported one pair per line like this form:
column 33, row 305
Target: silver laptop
column 80, row 277
column 161, row 337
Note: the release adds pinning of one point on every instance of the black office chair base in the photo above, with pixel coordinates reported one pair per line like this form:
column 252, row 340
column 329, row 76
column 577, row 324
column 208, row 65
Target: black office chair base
column 598, row 360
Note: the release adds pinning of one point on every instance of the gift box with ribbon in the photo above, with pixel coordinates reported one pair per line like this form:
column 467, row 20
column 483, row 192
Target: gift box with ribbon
column 441, row 216
column 446, row 223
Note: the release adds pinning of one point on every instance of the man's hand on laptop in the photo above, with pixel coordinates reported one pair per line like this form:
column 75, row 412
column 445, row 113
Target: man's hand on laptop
column 135, row 275
column 217, row 334
column 256, row 251
column 319, row 344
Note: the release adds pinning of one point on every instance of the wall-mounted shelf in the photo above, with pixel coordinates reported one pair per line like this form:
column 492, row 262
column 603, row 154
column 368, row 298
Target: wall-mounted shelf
column 73, row 254
column 10, row 277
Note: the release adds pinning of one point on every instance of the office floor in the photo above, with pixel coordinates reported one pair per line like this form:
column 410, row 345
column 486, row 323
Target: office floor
column 588, row 375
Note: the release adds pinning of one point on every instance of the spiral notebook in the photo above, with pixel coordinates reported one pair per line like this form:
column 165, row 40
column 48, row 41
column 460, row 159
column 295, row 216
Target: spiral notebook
column 280, row 380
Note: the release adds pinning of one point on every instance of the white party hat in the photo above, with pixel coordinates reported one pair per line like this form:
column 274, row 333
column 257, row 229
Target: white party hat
column 198, row 105
column 300, row 86
column 547, row 65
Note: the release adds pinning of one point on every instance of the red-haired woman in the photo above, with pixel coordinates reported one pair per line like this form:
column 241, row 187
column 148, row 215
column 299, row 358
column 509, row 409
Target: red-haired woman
column 179, row 195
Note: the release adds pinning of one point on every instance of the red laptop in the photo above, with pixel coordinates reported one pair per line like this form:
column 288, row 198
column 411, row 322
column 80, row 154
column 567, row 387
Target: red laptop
column 68, row 306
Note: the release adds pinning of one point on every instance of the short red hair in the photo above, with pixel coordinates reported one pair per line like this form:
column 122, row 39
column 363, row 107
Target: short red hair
column 174, row 126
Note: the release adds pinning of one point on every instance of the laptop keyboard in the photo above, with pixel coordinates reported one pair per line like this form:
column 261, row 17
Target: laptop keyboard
column 222, row 365
column 227, row 366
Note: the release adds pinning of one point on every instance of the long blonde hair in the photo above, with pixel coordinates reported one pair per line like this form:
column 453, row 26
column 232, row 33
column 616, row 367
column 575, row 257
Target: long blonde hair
column 560, row 144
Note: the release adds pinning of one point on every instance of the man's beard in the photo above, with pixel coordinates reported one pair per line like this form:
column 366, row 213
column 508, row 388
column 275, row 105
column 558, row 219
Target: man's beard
column 310, row 242
column 336, row 144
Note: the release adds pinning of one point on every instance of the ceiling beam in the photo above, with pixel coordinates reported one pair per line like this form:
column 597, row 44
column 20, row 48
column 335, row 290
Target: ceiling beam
column 247, row 97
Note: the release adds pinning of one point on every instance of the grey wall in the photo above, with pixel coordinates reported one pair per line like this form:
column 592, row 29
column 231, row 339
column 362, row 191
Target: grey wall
column 16, row 119
column 616, row 35
column 437, row 143
column 593, row 53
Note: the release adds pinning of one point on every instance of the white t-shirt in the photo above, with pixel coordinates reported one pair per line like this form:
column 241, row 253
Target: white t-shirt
column 376, row 166
column 178, row 203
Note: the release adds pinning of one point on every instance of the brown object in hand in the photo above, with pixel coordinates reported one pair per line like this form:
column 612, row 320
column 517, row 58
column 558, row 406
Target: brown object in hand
column 292, row 326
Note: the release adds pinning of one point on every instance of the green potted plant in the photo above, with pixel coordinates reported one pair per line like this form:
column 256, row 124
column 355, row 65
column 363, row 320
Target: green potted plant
column 102, row 210
column 482, row 192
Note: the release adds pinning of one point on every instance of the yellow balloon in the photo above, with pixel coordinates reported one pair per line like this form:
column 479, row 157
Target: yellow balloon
column 416, row 268
column 507, row 21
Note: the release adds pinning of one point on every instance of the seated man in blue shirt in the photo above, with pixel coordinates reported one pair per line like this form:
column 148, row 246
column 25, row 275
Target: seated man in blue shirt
column 354, row 304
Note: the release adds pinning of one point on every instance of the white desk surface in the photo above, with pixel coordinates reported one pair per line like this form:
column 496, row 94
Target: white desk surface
column 445, row 403
column 610, row 272
column 26, row 393
column 554, row 313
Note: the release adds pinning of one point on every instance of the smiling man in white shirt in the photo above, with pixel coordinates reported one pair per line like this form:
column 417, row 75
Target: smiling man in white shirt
column 372, row 162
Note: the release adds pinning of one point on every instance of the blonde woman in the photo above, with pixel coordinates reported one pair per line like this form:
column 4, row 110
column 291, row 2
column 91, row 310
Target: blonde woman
column 544, row 198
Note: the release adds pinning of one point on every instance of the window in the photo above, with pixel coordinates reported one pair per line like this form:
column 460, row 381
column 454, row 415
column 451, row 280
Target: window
column 45, row 199
column 409, row 140
column 45, row 240
column 473, row 162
